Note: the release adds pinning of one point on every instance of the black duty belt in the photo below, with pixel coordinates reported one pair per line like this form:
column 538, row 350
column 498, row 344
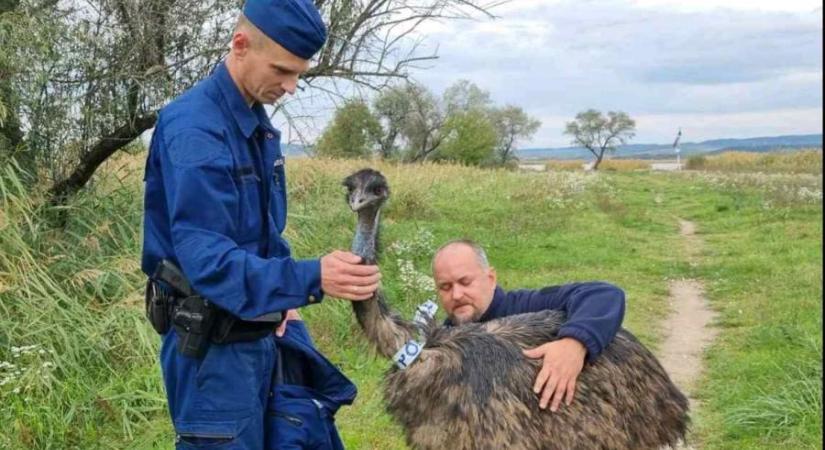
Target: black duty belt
column 171, row 303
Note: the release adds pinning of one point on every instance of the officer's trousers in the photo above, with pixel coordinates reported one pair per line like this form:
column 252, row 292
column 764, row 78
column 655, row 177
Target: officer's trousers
column 227, row 400
column 220, row 400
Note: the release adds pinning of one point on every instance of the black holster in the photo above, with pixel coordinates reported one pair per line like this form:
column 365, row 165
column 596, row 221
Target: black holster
column 193, row 319
column 158, row 303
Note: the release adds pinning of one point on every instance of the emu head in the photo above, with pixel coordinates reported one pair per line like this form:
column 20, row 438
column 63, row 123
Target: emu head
column 367, row 190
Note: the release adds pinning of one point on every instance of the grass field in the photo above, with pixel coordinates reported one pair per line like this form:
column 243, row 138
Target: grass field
column 607, row 165
column 799, row 161
column 77, row 360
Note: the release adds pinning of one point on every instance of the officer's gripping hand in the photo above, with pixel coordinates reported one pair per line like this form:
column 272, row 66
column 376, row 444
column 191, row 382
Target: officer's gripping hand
column 291, row 314
column 562, row 364
column 343, row 276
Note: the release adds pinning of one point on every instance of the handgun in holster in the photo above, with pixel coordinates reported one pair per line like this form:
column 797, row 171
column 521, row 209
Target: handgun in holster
column 171, row 302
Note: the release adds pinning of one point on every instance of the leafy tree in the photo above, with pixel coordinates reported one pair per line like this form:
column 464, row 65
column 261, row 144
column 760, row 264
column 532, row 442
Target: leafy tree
column 353, row 133
column 415, row 116
column 512, row 124
column 412, row 119
column 600, row 134
column 393, row 107
column 464, row 95
column 107, row 66
column 422, row 129
column 470, row 138
column 415, row 122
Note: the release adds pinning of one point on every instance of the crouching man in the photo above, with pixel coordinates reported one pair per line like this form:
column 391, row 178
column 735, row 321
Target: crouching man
column 466, row 285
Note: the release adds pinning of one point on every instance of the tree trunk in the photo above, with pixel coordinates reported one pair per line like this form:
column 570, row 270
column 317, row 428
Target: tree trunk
column 598, row 161
column 10, row 131
column 103, row 149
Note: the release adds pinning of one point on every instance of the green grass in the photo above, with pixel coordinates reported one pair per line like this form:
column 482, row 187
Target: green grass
column 75, row 293
column 763, row 268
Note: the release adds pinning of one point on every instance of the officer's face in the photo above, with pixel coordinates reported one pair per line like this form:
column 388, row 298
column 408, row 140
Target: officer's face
column 464, row 286
column 268, row 71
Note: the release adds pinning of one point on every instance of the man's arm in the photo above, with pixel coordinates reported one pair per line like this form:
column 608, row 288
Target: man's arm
column 594, row 311
column 594, row 314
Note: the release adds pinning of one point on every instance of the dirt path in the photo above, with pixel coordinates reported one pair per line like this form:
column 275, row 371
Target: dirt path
column 688, row 329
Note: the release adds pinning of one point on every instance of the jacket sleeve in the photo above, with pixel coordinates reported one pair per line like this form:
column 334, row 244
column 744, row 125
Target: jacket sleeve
column 203, row 204
column 594, row 310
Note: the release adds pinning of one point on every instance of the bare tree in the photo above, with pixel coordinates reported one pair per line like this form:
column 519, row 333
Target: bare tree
column 111, row 64
column 600, row 134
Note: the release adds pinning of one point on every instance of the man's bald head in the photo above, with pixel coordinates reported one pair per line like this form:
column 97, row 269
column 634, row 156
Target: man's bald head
column 464, row 280
column 455, row 245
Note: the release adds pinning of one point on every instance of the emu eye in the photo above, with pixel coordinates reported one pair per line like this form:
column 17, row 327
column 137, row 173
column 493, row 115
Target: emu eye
column 378, row 190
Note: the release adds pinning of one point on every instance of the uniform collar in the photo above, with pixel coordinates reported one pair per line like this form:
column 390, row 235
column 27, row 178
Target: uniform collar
column 495, row 305
column 247, row 118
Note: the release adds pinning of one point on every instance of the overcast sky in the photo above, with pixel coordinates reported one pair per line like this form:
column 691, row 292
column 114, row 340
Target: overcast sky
column 732, row 68
column 715, row 68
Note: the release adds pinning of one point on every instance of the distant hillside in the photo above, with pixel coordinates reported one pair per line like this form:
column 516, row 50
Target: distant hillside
column 657, row 151
column 293, row 151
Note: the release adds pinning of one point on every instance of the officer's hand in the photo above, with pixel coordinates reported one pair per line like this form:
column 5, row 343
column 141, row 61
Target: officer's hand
column 343, row 276
column 291, row 314
column 563, row 362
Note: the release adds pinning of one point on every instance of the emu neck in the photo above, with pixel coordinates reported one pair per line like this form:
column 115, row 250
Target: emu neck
column 384, row 328
column 364, row 244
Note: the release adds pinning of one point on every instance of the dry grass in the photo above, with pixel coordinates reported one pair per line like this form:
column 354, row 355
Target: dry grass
column 624, row 165
column 608, row 165
column 803, row 161
column 565, row 165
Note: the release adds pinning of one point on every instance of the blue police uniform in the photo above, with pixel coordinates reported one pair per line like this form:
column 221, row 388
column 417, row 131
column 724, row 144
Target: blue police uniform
column 594, row 310
column 215, row 205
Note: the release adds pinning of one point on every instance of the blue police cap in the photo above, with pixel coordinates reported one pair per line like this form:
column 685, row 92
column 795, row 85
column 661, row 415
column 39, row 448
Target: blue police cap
column 294, row 24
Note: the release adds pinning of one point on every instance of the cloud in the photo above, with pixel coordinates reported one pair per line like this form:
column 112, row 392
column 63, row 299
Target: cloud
column 651, row 58
column 746, row 5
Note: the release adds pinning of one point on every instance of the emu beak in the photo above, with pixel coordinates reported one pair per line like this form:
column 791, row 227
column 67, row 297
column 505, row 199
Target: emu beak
column 357, row 202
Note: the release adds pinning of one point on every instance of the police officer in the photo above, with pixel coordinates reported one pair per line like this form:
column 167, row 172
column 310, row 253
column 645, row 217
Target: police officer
column 215, row 207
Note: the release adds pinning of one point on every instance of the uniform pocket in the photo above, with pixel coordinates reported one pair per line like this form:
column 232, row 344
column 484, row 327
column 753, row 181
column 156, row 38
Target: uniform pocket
column 251, row 216
column 231, row 376
column 209, row 434
column 295, row 420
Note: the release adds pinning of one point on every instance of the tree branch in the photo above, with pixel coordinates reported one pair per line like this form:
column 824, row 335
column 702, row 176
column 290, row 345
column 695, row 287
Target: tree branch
column 99, row 152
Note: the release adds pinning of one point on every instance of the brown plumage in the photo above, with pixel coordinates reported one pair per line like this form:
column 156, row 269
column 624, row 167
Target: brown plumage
column 471, row 387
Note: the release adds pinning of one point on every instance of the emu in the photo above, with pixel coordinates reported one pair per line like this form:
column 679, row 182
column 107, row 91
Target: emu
column 471, row 386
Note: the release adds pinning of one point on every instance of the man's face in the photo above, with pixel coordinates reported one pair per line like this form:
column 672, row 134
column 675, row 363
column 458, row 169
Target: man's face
column 267, row 70
column 464, row 286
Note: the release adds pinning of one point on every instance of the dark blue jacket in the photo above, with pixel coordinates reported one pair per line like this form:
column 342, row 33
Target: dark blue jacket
column 308, row 392
column 594, row 310
column 215, row 203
